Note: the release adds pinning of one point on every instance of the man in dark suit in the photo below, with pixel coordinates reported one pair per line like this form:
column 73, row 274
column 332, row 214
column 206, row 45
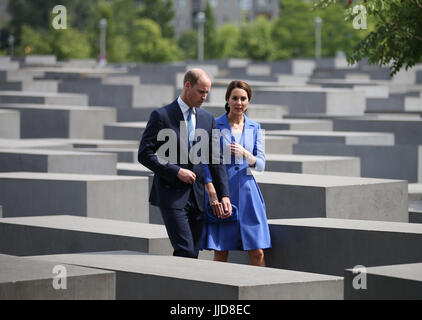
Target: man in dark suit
column 178, row 185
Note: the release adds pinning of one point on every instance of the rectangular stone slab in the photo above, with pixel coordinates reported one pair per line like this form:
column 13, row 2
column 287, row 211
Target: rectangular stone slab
column 10, row 124
column 329, row 246
column 339, row 137
column 142, row 276
column 32, row 279
column 396, row 282
column 95, row 196
column 33, row 160
column 289, row 195
column 402, row 162
column 124, row 130
column 279, row 145
column 314, row 100
column 69, row 234
column 406, row 131
column 50, row 121
column 34, row 144
column 325, row 165
column 294, row 124
column 43, row 98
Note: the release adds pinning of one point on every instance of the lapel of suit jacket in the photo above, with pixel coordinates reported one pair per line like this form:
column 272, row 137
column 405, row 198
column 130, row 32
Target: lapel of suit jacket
column 249, row 134
column 176, row 116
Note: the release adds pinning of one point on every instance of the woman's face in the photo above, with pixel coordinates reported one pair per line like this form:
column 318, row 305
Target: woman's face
column 238, row 101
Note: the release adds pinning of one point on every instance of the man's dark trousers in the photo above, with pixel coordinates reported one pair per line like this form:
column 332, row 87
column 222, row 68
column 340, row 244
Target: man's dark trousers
column 184, row 227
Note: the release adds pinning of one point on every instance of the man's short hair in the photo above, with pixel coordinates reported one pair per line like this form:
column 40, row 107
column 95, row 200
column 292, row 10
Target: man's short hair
column 192, row 76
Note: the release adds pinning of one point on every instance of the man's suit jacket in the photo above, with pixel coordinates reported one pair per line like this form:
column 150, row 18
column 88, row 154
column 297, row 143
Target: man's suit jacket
column 167, row 190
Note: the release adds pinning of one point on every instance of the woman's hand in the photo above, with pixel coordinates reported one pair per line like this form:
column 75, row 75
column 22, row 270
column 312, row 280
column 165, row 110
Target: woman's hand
column 237, row 150
column 216, row 206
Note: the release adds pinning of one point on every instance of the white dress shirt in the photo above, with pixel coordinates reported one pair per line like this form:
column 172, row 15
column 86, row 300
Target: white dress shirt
column 185, row 110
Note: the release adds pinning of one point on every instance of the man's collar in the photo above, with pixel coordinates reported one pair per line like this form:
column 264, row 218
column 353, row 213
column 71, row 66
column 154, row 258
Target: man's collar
column 184, row 107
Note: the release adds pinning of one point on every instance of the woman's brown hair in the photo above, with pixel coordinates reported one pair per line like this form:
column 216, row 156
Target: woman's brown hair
column 233, row 85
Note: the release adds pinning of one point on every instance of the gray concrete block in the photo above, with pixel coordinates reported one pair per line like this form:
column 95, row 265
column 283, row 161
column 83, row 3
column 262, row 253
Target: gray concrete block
column 34, row 144
column 41, row 86
column 279, row 145
column 124, row 130
column 40, row 60
column 289, row 195
column 396, row 102
column 50, row 121
column 153, row 95
column 32, row 160
column 406, row 131
column 1, row 212
column 118, row 96
column 31, row 279
column 43, row 98
column 397, row 282
column 267, row 111
column 313, row 100
column 142, row 276
column 69, row 234
column 10, row 124
column 130, row 114
column 415, row 211
column 415, row 191
column 94, row 143
column 294, row 124
column 329, row 246
column 158, row 73
column 339, row 137
column 325, row 165
column 7, row 64
column 129, row 155
column 262, row 69
column 138, row 170
column 21, row 75
column 402, row 162
column 96, row 196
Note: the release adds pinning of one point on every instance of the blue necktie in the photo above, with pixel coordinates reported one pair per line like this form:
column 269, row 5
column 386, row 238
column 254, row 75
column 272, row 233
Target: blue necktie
column 191, row 129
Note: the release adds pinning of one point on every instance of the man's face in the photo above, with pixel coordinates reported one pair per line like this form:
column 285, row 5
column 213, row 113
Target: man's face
column 197, row 94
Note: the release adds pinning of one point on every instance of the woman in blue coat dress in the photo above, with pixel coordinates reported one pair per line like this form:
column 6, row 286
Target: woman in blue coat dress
column 241, row 143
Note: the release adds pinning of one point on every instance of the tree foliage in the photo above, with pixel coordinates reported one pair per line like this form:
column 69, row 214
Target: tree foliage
column 160, row 11
column 396, row 39
column 143, row 31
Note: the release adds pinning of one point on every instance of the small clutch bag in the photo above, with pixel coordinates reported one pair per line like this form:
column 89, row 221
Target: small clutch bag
column 211, row 218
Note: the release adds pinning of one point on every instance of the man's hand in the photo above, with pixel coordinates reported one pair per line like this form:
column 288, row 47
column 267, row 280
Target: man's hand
column 227, row 207
column 186, row 176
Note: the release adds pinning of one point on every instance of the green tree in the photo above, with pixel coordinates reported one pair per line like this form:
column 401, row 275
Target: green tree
column 293, row 32
column 228, row 37
column 117, row 43
column 148, row 44
column 65, row 44
column 255, row 40
column 37, row 13
column 210, row 46
column 160, row 11
column 337, row 33
column 188, row 43
column 396, row 39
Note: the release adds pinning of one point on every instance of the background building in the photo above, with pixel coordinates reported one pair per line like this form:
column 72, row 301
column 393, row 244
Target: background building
column 225, row 11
